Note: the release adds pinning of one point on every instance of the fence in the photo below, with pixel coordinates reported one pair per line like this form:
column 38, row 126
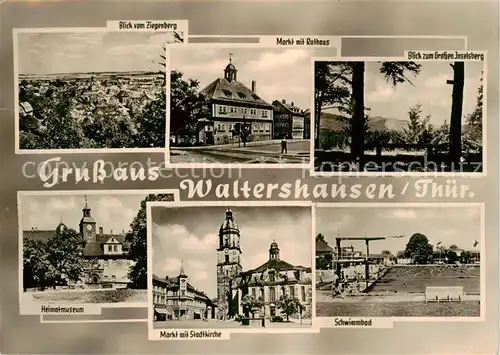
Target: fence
column 444, row 294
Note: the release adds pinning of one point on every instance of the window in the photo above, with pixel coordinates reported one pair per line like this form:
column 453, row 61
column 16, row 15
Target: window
column 219, row 127
column 272, row 294
column 222, row 109
column 183, row 293
column 231, row 109
column 254, row 293
column 223, row 128
column 264, row 113
column 292, row 291
column 245, row 110
column 227, row 258
column 303, row 291
column 113, row 278
column 272, row 276
column 115, row 248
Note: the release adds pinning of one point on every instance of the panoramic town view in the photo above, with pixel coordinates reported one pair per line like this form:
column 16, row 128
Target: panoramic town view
column 241, row 105
column 398, row 116
column 83, row 249
column 232, row 269
column 105, row 90
column 401, row 262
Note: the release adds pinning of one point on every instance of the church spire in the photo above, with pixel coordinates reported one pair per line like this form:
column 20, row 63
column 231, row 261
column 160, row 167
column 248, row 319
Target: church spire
column 182, row 273
column 274, row 251
column 230, row 70
column 86, row 209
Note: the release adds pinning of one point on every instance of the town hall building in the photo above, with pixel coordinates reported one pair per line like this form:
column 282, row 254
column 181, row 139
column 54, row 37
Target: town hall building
column 232, row 102
column 268, row 282
column 107, row 255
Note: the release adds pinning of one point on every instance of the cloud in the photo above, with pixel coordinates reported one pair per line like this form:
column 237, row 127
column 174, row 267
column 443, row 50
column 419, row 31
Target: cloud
column 400, row 213
column 287, row 58
column 437, row 82
column 383, row 92
column 170, row 266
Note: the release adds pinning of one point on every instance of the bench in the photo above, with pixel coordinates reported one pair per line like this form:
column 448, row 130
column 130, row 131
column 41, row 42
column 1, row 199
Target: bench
column 444, row 294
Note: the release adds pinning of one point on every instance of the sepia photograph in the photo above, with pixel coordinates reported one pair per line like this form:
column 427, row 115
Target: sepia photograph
column 83, row 248
column 416, row 262
column 241, row 267
column 91, row 90
column 237, row 104
column 398, row 116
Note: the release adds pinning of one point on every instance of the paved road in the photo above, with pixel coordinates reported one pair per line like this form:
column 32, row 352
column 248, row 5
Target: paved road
column 298, row 153
column 219, row 324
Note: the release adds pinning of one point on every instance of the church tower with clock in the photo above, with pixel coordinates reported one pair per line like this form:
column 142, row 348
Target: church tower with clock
column 228, row 264
column 87, row 225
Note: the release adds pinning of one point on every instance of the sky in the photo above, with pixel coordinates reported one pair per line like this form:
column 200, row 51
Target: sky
column 112, row 212
column 449, row 225
column 429, row 89
column 280, row 73
column 51, row 53
column 190, row 235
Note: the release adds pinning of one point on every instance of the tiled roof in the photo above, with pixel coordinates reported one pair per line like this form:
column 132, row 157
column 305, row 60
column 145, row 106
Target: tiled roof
column 222, row 89
column 103, row 238
column 292, row 108
column 322, row 246
column 173, row 282
column 275, row 264
column 43, row 235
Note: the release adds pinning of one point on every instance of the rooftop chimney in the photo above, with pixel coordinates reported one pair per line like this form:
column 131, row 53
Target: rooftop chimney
column 111, row 232
column 254, row 86
column 292, row 104
column 283, row 101
column 101, row 231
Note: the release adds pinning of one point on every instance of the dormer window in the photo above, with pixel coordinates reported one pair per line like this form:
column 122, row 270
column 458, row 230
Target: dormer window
column 241, row 95
column 227, row 93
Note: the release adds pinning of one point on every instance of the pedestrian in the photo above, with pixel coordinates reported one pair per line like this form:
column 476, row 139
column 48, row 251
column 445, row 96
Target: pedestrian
column 284, row 146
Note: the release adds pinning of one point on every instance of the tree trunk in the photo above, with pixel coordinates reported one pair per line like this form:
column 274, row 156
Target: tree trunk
column 456, row 113
column 317, row 122
column 287, row 318
column 358, row 119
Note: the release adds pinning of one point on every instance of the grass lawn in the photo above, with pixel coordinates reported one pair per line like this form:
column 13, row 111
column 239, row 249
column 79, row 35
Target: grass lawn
column 89, row 296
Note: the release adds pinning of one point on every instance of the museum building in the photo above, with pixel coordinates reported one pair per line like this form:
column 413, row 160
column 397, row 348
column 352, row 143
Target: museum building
column 107, row 255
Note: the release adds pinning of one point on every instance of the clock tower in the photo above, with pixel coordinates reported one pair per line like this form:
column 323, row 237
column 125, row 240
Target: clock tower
column 87, row 224
column 228, row 262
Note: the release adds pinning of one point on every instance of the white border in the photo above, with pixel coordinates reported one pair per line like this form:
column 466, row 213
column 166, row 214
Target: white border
column 483, row 173
column 173, row 46
column 482, row 264
column 149, row 205
column 70, row 30
column 20, row 194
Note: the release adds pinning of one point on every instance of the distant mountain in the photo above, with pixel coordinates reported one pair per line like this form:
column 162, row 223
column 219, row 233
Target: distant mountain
column 335, row 122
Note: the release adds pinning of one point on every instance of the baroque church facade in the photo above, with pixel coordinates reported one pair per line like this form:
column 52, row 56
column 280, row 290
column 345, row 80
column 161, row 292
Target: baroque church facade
column 107, row 255
column 267, row 283
column 232, row 103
